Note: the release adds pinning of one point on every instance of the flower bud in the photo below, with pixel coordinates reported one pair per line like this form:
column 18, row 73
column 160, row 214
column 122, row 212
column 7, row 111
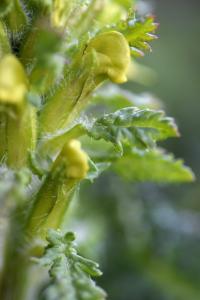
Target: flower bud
column 13, row 81
column 75, row 160
column 112, row 54
column 57, row 191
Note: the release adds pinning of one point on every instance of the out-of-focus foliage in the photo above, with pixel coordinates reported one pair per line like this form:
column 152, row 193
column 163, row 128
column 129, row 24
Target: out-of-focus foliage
column 142, row 34
column 161, row 167
column 144, row 236
column 69, row 272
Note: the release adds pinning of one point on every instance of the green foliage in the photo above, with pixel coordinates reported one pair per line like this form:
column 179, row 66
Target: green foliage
column 124, row 127
column 138, row 33
column 157, row 247
column 133, row 132
column 113, row 97
column 70, row 273
column 152, row 165
column 96, row 169
column 6, row 6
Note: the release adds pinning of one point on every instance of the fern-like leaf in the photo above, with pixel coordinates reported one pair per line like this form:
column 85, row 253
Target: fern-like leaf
column 70, row 273
column 138, row 32
column 132, row 125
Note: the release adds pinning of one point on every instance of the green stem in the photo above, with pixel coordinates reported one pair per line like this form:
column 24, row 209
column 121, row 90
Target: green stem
column 14, row 277
column 55, row 218
column 48, row 210
column 3, row 142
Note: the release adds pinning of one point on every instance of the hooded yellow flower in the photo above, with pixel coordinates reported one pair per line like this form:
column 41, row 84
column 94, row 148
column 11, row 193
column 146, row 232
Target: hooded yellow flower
column 77, row 160
column 13, row 80
column 74, row 159
column 112, row 54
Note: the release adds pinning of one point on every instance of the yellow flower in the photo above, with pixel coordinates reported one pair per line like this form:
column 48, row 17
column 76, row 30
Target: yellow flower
column 112, row 54
column 76, row 160
column 13, row 80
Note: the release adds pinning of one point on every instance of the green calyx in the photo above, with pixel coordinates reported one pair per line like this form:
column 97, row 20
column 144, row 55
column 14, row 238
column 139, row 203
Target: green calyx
column 17, row 116
column 55, row 194
column 107, row 56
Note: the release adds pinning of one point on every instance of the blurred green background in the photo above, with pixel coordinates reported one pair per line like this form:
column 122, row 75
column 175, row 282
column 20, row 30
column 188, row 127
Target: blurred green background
column 147, row 236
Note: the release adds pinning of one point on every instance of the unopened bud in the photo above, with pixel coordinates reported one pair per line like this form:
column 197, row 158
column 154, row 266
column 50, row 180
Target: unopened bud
column 76, row 160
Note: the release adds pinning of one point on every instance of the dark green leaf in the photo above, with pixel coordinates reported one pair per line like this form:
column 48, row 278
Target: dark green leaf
column 133, row 126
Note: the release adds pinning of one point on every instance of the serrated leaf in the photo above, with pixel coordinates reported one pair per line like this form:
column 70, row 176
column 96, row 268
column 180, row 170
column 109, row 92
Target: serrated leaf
column 127, row 126
column 70, row 273
column 131, row 125
column 152, row 165
column 138, row 33
column 145, row 118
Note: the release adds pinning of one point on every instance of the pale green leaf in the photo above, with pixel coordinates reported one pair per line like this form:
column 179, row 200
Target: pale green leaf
column 113, row 97
column 138, row 32
column 152, row 165
column 69, row 272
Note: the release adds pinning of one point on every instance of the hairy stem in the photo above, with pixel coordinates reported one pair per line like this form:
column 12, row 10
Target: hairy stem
column 14, row 277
